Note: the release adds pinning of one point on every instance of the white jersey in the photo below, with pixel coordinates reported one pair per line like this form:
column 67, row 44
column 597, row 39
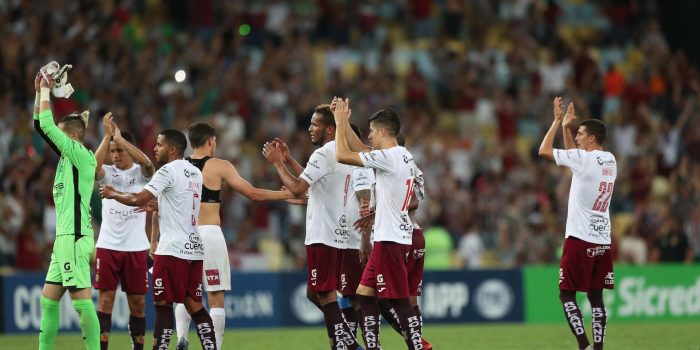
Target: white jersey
column 328, row 181
column 178, row 187
column 395, row 173
column 591, row 190
column 122, row 228
column 362, row 179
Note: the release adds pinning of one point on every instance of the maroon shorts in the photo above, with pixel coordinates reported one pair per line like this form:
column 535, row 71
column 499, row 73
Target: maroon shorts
column 414, row 265
column 128, row 268
column 350, row 272
column 386, row 270
column 324, row 267
column 174, row 279
column 585, row 266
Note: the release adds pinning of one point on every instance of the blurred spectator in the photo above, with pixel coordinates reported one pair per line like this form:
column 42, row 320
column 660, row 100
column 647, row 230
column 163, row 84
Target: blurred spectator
column 438, row 248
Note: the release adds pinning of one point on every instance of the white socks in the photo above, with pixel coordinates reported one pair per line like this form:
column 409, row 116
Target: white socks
column 182, row 321
column 218, row 317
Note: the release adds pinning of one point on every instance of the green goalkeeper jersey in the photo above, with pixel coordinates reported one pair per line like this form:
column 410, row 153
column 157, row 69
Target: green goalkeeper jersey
column 74, row 181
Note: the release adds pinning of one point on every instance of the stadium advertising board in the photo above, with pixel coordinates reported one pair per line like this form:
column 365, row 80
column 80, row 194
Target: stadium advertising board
column 279, row 299
column 642, row 293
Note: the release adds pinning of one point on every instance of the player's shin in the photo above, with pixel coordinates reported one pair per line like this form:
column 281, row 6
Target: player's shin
column 369, row 322
column 88, row 322
column 218, row 317
column 574, row 317
column 205, row 329
column 338, row 330
column 137, row 330
column 182, row 320
column 50, row 320
column 410, row 323
column 163, row 330
column 599, row 318
column 105, row 328
column 389, row 314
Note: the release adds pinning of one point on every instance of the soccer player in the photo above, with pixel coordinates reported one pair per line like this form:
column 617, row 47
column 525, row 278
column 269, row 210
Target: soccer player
column 385, row 276
column 122, row 246
column 326, row 225
column 177, row 263
column 416, row 256
column 217, row 273
column 352, row 264
column 70, row 260
column 586, row 263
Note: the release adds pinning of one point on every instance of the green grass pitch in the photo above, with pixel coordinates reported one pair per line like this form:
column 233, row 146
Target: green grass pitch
column 633, row 336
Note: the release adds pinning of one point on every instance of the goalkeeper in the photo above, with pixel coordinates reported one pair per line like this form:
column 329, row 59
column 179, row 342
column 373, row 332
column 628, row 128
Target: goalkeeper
column 74, row 244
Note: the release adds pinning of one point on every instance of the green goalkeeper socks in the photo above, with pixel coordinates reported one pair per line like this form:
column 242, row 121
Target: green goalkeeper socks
column 50, row 319
column 89, row 323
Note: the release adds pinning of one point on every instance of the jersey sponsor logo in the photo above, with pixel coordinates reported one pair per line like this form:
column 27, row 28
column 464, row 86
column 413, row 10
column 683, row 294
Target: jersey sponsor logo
column 213, row 278
column 405, row 226
column 597, row 251
column 190, row 174
column 124, row 215
column 313, row 277
column 194, row 243
column 66, row 266
column 599, row 223
column 602, row 161
column 418, row 253
column 407, row 160
column 610, row 278
column 314, row 163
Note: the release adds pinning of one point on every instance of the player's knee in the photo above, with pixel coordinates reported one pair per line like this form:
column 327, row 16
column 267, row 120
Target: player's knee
column 105, row 302
column 137, row 305
column 566, row 296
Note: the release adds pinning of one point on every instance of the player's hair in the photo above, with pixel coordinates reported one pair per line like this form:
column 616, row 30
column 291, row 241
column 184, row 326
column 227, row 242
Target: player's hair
column 73, row 123
column 175, row 138
column 199, row 133
column 128, row 137
column 596, row 128
column 401, row 139
column 388, row 119
column 356, row 130
column 325, row 111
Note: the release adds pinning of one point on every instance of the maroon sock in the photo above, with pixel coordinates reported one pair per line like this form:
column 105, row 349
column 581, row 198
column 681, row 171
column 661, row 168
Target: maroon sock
column 574, row 317
column 137, row 330
column 416, row 309
column 338, row 330
column 205, row 329
column 163, row 329
column 410, row 323
column 389, row 314
column 351, row 319
column 369, row 321
column 105, row 327
column 599, row 318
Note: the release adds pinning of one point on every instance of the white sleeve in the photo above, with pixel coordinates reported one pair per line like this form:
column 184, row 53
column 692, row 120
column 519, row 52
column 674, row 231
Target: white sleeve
column 572, row 158
column 316, row 167
column 362, row 179
column 142, row 178
column 378, row 159
column 162, row 179
column 107, row 179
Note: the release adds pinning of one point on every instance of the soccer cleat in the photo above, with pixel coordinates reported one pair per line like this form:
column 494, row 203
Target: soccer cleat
column 181, row 344
column 426, row 344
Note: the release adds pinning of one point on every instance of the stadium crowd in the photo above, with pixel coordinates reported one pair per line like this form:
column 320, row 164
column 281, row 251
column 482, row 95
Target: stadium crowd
column 473, row 81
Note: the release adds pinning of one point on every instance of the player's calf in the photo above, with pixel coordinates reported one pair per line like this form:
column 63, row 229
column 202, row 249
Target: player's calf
column 574, row 317
column 205, row 329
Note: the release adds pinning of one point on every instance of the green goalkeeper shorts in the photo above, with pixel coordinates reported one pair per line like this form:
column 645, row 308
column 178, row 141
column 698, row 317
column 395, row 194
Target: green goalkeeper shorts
column 70, row 261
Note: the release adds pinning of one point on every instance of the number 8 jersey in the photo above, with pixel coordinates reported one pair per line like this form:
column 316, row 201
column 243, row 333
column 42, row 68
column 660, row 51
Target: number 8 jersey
column 395, row 173
column 592, row 186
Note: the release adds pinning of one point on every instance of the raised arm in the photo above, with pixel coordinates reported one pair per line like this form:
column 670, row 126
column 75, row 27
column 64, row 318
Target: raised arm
column 103, row 148
column 131, row 199
column 343, row 152
column 567, row 124
column 296, row 185
column 139, row 157
column 37, row 104
column 66, row 146
column 230, row 175
column 353, row 141
column 547, row 146
column 292, row 165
